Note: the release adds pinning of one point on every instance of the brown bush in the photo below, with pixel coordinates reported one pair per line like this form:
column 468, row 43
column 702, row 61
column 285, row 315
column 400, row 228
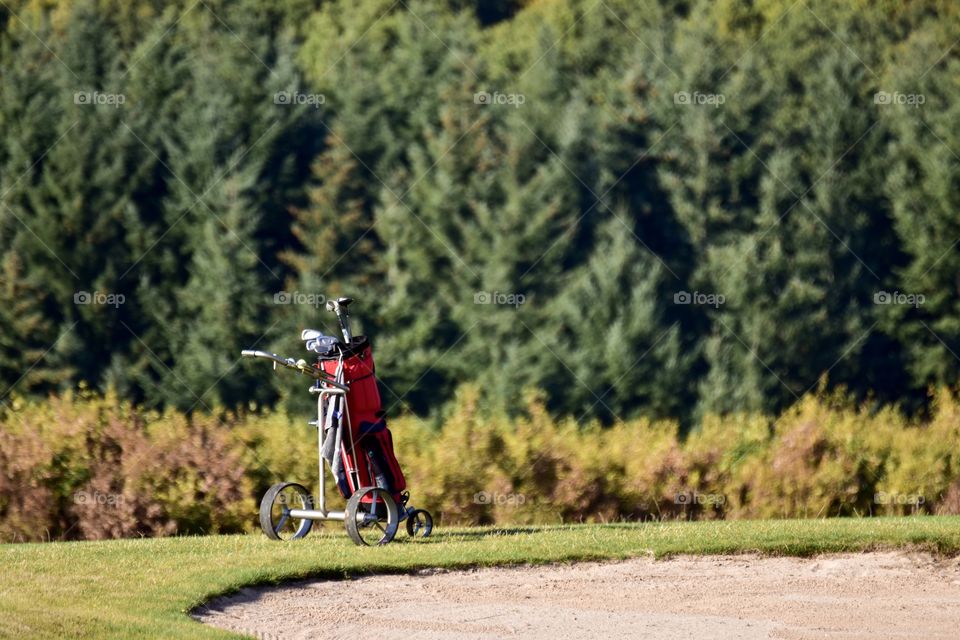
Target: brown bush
column 83, row 466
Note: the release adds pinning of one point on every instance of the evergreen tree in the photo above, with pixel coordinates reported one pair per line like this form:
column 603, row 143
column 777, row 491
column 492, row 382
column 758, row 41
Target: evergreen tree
column 70, row 202
column 219, row 309
column 621, row 357
column 922, row 191
column 796, row 252
column 26, row 333
column 628, row 152
column 30, row 108
column 209, row 256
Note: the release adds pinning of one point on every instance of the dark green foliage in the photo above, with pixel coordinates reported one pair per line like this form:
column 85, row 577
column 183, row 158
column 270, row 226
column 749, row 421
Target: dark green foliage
column 168, row 197
column 639, row 208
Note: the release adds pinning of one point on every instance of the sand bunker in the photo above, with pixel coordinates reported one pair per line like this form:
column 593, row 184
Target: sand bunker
column 869, row 595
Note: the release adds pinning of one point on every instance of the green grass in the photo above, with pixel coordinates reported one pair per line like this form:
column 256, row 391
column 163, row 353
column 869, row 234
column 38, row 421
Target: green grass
column 137, row 588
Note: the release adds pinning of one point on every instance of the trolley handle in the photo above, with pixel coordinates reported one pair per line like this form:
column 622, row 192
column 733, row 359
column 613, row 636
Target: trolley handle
column 297, row 365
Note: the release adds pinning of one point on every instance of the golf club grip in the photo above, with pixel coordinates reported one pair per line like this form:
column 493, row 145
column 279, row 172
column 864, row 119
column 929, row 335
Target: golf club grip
column 289, row 364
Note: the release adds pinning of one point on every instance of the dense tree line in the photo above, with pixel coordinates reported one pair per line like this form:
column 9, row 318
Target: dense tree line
column 645, row 208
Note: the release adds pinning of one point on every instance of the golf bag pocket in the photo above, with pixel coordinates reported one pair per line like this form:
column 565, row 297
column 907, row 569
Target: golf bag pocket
column 379, row 449
column 351, row 475
column 376, row 444
column 339, row 471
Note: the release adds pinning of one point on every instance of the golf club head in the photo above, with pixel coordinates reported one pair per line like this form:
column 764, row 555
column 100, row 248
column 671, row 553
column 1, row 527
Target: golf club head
column 310, row 334
column 323, row 345
column 338, row 304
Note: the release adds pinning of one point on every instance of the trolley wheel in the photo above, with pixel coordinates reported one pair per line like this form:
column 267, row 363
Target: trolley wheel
column 375, row 522
column 275, row 519
column 419, row 523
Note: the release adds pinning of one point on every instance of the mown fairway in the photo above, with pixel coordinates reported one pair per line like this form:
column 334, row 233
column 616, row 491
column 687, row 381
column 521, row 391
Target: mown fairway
column 136, row 588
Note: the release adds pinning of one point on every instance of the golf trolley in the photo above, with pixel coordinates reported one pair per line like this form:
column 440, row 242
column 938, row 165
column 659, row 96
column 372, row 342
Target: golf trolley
column 352, row 440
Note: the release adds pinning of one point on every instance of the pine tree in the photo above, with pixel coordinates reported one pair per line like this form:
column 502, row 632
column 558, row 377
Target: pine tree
column 921, row 186
column 360, row 231
column 208, row 260
column 796, row 251
column 27, row 334
column 219, row 309
column 621, row 357
column 71, row 199
column 30, row 316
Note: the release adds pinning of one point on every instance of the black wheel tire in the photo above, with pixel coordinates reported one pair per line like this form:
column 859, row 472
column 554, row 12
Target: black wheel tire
column 387, row 514
column 419, row 523
column 272, row 527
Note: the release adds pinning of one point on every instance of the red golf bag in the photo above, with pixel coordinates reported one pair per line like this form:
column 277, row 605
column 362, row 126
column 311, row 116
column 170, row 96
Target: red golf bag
column 367, row 451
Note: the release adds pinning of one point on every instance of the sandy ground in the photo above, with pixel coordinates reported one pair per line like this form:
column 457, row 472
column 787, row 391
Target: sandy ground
column 875, row 595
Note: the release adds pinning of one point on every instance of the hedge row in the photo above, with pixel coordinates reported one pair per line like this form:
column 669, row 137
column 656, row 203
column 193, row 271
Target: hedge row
column 83, row 466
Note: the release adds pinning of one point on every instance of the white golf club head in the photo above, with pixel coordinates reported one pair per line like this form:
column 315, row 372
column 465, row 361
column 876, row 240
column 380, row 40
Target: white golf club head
column 310, row 334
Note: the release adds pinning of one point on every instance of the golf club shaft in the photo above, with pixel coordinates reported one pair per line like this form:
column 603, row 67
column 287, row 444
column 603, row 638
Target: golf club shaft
column 344, row 319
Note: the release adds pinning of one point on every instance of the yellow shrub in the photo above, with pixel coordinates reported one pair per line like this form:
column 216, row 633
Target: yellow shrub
column 86, row 466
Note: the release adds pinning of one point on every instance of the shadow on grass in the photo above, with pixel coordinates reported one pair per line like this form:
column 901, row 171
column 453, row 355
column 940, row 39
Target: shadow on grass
column 487, row 533
column 475, row 534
